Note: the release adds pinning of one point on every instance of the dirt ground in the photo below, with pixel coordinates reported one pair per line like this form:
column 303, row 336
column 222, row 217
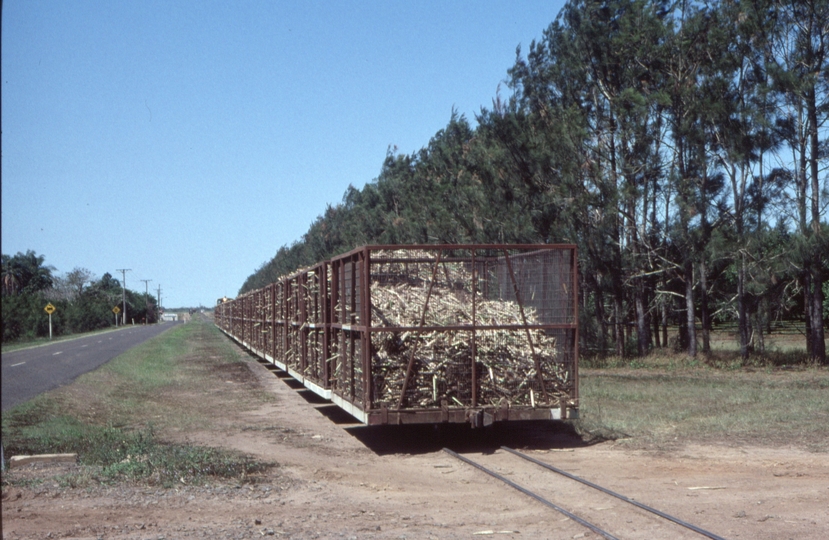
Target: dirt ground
column 336, row 479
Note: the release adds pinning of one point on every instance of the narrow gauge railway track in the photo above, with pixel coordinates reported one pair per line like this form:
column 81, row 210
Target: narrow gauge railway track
column 587, row 524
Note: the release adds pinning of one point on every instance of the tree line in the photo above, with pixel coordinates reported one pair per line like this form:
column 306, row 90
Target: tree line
column 681, row 145
column 83, row 302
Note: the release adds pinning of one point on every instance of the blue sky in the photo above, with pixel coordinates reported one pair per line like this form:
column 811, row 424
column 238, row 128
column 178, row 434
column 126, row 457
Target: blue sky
column 189, row 140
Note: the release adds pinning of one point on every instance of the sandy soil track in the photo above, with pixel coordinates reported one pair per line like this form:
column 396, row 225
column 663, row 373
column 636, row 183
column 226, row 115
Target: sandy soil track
column 338, row 480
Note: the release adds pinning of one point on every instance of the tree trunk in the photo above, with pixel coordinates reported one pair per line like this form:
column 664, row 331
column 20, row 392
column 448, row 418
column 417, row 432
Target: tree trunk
column 818, row 343
column 689, row 309
column 704, row 311
column 656, row 341
column 643, row 337
column 807, row 308
column 598, row 299
column 665, row 322
column 619, row 322
column 741, row 307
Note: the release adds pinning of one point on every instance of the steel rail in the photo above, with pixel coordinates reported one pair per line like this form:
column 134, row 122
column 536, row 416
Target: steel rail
column 535, row 496
column 614, row 494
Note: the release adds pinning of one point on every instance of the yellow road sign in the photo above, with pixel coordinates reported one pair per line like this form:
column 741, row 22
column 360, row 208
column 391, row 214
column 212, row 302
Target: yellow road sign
column 116, row 310
column 49, row 308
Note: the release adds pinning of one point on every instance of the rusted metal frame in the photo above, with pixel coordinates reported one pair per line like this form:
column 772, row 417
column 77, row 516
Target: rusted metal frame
column 575, row 297
column 281, row 319
column 351, row 298
column 259, row 316
column 244, row 318
column 273, row 320
column 464, row 327
column 333, row 294
column 314, row 336
column 253, row 319
column 365, row 319
column 269, row 307
column 296, row 323
column 311, row 315
column 520, row 302
column 431, row 247
column 355, row 327
column 326, row 322
column 453, row 415
column 286, row 287
column 410, row 365
column 344, row 358
column 545, row 293
column 303, row 331
column 474, row 333
column 261, row 319
column 268, row 299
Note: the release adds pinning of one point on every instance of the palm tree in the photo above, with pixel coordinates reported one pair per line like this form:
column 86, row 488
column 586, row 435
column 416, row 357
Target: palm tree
column 11, row 276
column 25, row 272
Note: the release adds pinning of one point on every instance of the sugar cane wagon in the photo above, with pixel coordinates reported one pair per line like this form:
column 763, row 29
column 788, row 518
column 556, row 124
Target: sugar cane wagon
column 425, row 333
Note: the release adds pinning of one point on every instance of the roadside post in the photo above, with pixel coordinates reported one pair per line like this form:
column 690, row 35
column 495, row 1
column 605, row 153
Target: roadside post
column 116, row 310
column 49, row 309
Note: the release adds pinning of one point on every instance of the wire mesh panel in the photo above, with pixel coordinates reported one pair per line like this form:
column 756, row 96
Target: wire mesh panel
column 345, row 331
column 267, row 319
column 293, row 316
column 279, row 346
column 258, row 323
column 314, row 286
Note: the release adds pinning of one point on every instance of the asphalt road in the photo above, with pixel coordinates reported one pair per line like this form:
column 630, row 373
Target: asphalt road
column 29, row 372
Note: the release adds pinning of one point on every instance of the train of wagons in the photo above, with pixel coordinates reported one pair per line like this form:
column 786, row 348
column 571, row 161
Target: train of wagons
column 424, row 333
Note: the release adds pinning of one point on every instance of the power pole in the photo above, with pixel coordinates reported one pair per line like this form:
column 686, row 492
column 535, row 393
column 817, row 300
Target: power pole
column 158, row 317
column 146, row 299
column 124, row 290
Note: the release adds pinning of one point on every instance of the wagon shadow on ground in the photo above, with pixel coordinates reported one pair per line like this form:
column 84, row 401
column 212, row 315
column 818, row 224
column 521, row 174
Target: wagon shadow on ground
column 428, row 438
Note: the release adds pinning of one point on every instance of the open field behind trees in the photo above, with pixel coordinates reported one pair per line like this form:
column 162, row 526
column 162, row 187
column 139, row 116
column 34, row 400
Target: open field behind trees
column 682, row 147
column 186, row 435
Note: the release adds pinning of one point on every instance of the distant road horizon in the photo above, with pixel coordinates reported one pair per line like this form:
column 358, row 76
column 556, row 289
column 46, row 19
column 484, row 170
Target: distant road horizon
column 27, row 373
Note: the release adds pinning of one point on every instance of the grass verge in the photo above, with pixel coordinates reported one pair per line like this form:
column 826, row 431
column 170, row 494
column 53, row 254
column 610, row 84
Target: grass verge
column 658, row 408
column 111, row 417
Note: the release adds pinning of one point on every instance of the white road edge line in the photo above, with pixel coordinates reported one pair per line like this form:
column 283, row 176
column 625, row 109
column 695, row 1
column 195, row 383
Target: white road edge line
column 18, row 364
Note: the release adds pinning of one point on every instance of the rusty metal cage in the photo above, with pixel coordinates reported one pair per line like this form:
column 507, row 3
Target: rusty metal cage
column 428, row 333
